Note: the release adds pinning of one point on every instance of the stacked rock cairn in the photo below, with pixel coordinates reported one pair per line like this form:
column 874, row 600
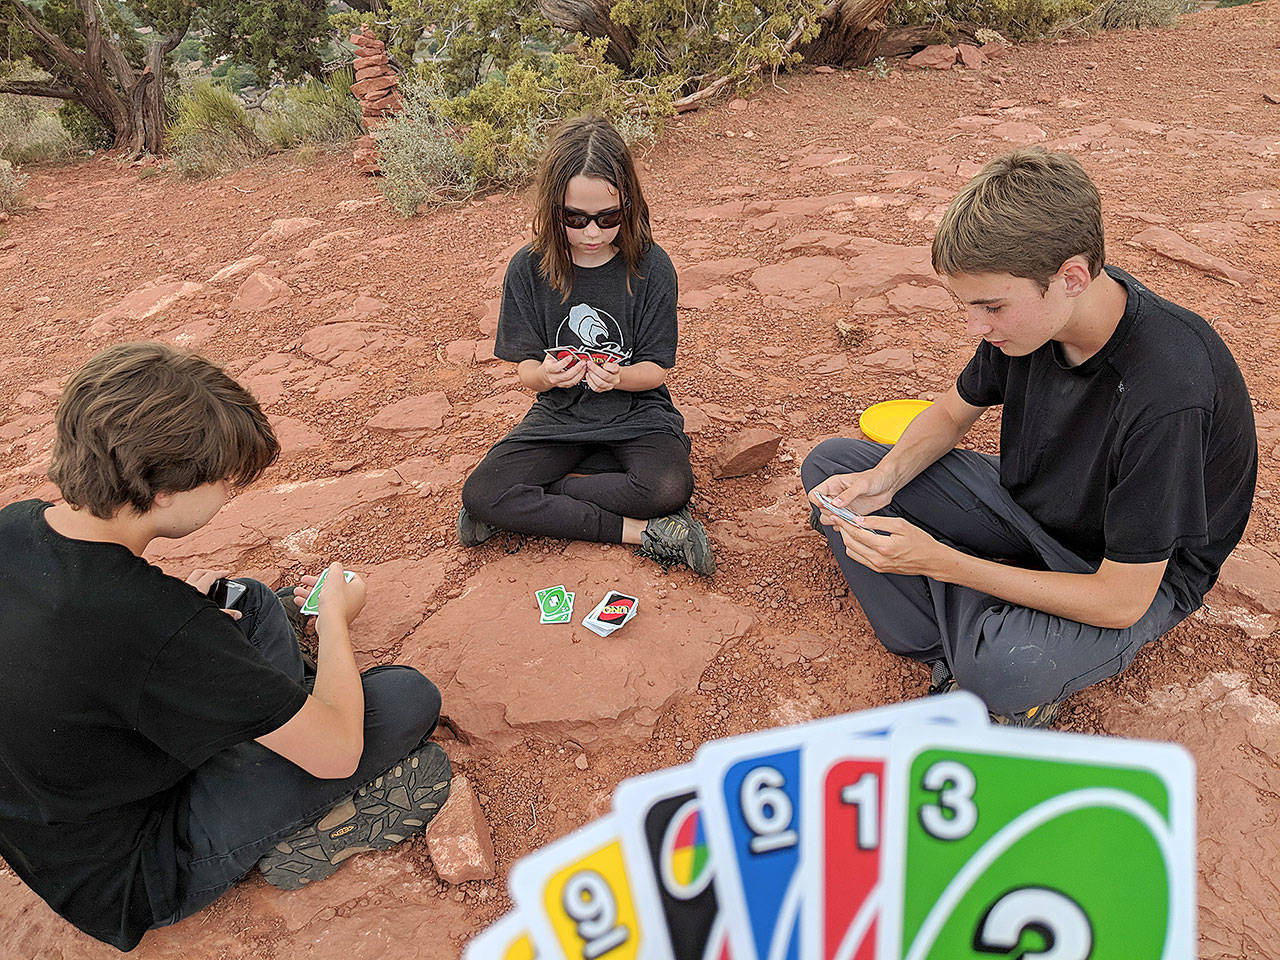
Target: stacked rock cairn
column 376, row 88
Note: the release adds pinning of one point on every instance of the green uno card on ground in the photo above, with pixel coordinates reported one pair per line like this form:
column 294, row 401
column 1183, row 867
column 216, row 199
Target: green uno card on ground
column 507, row 938
column 555, row 604
column 576, row 896
column 1030, row 844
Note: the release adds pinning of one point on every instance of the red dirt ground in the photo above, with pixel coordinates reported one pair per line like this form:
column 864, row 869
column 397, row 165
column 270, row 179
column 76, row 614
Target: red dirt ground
column 1175, row 129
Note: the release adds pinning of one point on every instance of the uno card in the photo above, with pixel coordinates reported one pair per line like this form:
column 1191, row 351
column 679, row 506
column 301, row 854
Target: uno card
column 841, row 846
column 663, row 837
column 753, row 801
column 507, row 938
column 844, row 513
column 1036, row 844
column 311, row 606
column 576, row 896
column 556, row 604
column 611, row 613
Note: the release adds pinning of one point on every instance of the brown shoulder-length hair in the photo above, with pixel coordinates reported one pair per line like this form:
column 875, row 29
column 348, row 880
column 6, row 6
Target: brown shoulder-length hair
column 586, row 146
column 142, row 418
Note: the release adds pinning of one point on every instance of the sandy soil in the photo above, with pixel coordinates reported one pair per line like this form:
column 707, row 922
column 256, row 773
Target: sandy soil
column 343, row 317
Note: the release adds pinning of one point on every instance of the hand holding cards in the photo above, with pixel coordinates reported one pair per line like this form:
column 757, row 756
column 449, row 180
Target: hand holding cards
column 843, row 513
column 311, row 606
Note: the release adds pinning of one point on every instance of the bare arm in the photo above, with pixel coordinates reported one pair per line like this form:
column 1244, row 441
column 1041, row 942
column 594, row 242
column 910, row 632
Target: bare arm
column 1115, row 596
column 326, row 737
column 934, row 432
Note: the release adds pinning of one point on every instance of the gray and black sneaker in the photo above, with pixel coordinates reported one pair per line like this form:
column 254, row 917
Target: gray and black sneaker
column 678, row 538
column 1036, row 717
column 472, row 532
column 391, row 808
column 941, row 679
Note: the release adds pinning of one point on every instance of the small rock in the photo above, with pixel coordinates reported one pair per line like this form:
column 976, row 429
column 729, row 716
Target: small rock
column 260, row 291
column 745, row 453
column 344, row 466
column 937, row 56
column 458, row 839
column 413, row 416
column 1271, row 97
column 580, row 761
column 824, row 69
column 970, row 56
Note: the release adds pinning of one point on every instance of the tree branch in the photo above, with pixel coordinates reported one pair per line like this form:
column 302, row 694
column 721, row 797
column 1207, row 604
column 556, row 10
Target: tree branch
column 693, row 100
column 37, row 88
column 59, row 49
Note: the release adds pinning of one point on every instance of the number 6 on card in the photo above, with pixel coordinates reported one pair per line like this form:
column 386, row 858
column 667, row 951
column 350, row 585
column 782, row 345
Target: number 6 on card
column 1028, row 844
column 576, row 896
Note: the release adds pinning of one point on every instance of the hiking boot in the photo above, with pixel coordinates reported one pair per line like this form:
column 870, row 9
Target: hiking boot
column 678, row 538
column 472, row 532
column 306, row 641
column 1037, row 717
column 941, row 679
column 815, row 520
column 392, row 807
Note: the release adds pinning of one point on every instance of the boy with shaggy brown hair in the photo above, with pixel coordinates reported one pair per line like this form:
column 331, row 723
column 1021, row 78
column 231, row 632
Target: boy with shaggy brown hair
column 155, row 746
column 1126, row 470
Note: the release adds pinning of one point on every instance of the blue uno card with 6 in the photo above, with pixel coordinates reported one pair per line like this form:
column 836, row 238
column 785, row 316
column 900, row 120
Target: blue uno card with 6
column 751, row 790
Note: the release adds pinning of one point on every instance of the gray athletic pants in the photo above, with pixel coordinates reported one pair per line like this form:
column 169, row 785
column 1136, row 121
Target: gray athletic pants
column 1012, row 657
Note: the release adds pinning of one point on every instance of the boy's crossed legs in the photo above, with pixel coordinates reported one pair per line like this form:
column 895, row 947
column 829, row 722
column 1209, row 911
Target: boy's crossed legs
column 1013, row 657
column 246, row 799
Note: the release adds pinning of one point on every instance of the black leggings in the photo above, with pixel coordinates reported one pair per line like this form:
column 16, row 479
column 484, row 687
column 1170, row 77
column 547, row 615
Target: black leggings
column 522, row 485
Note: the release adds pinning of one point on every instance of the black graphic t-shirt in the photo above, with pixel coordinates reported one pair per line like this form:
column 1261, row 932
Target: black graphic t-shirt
column 1146, row 451
column 600, row 314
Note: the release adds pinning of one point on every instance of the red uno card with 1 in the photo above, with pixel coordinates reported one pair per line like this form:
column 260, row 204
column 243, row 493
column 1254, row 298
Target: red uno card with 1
column 756, row 806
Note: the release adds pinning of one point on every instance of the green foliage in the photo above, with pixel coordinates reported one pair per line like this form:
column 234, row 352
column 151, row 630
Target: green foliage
column 83, row 127
column 421, row 156
column 10, row 188
column 1033, row 19
column 320, row 111
column 507, row 118
column 1237, row 3
column 210, row 132
column 697, row 40
column 273, row 38
column 31, row 132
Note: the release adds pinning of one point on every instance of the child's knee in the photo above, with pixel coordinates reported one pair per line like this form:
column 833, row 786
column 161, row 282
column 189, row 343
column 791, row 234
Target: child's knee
column 667, row 491
column 403, row 698
column 839, row 455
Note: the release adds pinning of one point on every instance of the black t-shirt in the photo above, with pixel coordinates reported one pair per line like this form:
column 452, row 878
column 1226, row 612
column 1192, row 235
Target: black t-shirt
column 116, row 680
column 1145, row 451
column 601, row 312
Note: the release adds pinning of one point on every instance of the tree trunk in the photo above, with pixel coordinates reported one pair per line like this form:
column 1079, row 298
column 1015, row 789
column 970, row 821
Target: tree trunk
column 900, row 41
column 592, row 18
column 128, row 102
column 851, row 31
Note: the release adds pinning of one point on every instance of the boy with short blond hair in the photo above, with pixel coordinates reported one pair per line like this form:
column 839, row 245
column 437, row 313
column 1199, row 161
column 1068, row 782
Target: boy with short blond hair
column 1126, row 472
column 155, row 746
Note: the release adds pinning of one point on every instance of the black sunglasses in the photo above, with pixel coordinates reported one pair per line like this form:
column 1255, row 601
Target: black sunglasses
column 605, row 219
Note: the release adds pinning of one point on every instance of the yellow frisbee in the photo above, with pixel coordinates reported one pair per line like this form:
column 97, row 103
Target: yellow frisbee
column 884, row 422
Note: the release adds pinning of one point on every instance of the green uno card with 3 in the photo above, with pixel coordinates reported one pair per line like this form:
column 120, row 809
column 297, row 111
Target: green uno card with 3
column 1037, row 846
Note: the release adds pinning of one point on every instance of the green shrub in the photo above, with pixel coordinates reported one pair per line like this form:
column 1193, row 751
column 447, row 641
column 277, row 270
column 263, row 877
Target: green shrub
column 83, row 127
column 420, row 155
column 1015, row 19
column 1134, row 14
column 210, row 132
column 319, row 111
column 10, row 187
column 30, row 131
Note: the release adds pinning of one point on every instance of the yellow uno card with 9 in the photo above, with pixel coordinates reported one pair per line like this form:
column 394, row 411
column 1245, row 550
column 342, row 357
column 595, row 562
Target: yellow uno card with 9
column 507, row 938
column 575, row 895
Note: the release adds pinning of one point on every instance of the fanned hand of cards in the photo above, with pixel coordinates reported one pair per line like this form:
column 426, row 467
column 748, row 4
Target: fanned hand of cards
column 911, row 832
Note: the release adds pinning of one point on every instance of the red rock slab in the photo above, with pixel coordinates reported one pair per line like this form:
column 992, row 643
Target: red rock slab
column 374, row 86
column 936, row 56
column 142, row 304
column 285, row 229
column 1018, row 131
column 700, row 276
column 1165, row 242
column 342, row 344
column 745, row 452
column 1253, row 572
column 909, row 299
column 295, row 436
column 970, row 56
column 510, row 403
column 505, row 677
column 364, row 63
column 375, row 70
column 240, row 267
column 896, row 359
column 1234, row 734
column 399, row 591
column 458, row 839
column 413, row 416
column 261, row 291
column 289, row 517
column 363, row 307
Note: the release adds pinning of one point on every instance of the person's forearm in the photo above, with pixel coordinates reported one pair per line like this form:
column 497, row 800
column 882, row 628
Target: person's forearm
column 1082, row 597
column 531, row 375
column 338, row 680
column 930, row 435
column 641, row 376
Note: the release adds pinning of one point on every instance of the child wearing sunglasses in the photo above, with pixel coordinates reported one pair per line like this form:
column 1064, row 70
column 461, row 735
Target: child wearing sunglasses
column 589, row 317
